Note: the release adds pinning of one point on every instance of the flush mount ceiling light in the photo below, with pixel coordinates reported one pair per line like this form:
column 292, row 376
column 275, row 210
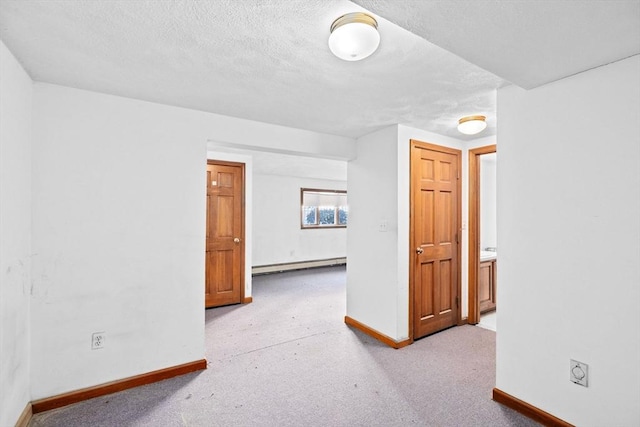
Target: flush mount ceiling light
column 354, row 36
column 471, row 125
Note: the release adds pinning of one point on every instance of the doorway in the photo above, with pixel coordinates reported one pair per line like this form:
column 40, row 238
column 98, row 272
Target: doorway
column 482, row 246
column 435, row 238
column 224, row 261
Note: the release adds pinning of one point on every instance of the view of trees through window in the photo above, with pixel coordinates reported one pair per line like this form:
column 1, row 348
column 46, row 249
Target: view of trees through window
column 323, row 208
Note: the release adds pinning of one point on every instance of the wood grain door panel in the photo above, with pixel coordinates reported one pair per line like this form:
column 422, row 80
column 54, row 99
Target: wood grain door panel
column 224, row 266
column 487, row 286
column 435, row 221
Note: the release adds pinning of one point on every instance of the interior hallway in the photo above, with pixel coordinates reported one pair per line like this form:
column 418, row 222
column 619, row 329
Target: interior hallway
column 288, row 359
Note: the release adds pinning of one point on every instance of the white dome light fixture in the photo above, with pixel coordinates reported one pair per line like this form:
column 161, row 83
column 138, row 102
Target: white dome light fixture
column 471, row 125
column 354, row 36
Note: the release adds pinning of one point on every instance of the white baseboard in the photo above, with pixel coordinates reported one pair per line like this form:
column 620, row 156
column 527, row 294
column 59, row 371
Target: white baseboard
column 300, row 265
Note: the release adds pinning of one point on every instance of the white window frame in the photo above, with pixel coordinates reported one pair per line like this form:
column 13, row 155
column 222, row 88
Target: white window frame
column 336, row 207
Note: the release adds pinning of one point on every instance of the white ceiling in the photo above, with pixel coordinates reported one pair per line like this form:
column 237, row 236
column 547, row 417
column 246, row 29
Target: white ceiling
column 268, row 60
column 267, row 163
column 526, row 42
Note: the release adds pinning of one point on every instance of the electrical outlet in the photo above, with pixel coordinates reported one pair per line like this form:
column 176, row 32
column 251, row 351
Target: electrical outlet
column 97, row 340
column 579, row 373
column 382, row 227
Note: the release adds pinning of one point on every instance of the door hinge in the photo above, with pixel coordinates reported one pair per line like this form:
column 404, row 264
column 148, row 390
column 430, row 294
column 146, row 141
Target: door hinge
column 457, row 239
column 457, row 302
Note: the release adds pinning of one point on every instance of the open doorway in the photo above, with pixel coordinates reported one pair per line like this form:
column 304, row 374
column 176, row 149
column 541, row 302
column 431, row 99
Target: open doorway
column 483, row 255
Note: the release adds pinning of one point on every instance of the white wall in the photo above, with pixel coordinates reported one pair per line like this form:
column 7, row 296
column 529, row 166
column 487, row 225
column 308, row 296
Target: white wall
column 15, row 236
column 118, row 231
column 372, row 267
column 278, row 237
column 118, row 226
column 378, row 266
column 488, row 224
column 568, row 189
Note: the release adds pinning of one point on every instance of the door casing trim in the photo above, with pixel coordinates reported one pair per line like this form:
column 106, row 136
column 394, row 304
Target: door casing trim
column 474, row 229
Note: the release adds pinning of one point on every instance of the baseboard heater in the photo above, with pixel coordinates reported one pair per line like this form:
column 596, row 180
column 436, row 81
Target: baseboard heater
column 299, row 265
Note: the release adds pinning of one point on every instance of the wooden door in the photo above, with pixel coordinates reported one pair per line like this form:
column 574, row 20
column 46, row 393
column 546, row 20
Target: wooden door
column 435, row 232
column 224, row 265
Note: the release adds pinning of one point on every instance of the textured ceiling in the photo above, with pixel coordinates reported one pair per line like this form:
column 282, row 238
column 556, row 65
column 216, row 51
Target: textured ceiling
column 264, row 60
column 526, row 42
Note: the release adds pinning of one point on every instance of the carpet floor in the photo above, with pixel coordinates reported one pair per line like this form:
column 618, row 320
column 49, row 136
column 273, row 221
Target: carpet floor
column 288, row 359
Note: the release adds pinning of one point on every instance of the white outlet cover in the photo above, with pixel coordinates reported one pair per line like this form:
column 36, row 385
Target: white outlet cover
column 579, row 373
column 97, row 340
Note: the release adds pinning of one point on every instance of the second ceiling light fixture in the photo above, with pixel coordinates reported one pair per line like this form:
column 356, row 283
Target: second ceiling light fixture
column 471, row 125
column 355, row 36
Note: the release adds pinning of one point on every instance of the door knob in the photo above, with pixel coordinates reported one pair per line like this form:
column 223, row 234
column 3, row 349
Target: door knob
column 236, row 240
column 419, row 250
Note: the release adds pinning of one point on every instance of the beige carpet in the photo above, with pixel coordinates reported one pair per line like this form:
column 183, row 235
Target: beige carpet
column 288, row 359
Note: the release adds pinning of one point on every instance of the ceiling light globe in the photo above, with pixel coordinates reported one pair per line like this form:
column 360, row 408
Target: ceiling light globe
column 472, row 125
column 353, row 41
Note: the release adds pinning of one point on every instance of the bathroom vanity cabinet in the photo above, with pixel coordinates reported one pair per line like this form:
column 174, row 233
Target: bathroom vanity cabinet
column 487, row 285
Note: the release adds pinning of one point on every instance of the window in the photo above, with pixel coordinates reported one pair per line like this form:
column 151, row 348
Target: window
column 323, row 208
